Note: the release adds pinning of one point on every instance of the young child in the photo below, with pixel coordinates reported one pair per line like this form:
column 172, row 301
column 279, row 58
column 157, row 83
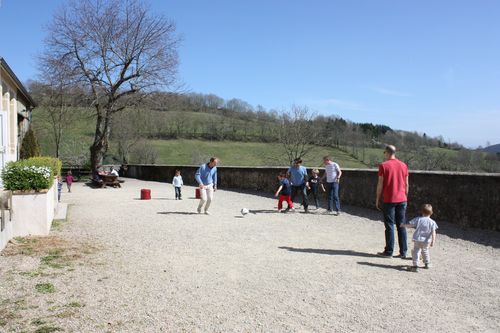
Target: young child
column 423, row 237
column 284, row 192
column 59, row 187
column 69, row 180
column 314, row 184
column 177, row 182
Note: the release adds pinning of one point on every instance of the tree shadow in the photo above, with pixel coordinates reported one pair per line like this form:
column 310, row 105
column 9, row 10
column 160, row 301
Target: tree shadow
column 396, row 267
column 179, row 213
column 330, row 252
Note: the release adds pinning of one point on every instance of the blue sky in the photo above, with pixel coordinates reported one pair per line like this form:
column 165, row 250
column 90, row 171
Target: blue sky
column 426, row 66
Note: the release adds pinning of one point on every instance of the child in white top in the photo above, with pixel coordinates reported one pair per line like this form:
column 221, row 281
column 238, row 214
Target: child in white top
column 177, row 182
column 423, row 237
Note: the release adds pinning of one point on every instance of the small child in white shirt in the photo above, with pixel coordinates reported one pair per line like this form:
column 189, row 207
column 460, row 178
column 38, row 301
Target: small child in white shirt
column 423, row 237
column 177, row 182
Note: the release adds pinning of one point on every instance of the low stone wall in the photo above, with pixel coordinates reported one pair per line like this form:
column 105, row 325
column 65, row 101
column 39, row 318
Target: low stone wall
column 465, row 199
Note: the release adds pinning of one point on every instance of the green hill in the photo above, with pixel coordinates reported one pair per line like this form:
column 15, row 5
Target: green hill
column 182, row 152
column 186, row 137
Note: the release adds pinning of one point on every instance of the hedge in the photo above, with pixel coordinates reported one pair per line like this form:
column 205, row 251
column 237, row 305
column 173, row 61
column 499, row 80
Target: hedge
column 54, row 164
column 32, row 174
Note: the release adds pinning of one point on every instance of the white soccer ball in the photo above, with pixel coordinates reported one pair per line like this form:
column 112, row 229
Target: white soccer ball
column 244, row 211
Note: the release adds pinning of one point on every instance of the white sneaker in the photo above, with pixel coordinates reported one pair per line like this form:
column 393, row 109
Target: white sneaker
column 207, row 212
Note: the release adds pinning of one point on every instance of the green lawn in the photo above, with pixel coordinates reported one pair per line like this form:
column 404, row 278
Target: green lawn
column 186, row 152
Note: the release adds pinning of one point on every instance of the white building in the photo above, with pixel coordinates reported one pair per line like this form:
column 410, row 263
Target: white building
column 15, row 114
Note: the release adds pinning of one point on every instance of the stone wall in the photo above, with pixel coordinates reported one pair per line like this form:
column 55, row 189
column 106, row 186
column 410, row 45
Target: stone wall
column 465, row 199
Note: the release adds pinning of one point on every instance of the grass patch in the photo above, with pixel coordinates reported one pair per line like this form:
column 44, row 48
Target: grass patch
column 75, row 305
column 65, row 314
column 9, row 310
column 45, row 288
column 6, row 316
column 21, row 240
column 38, row 322
column 35, row 273
column 34, row 245
column 56, row 259
column 48, row 329
column 54, row 252
column 57, row 225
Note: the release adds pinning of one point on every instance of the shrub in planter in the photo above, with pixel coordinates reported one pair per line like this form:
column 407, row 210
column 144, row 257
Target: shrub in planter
column 54, row 164
column 23, row 176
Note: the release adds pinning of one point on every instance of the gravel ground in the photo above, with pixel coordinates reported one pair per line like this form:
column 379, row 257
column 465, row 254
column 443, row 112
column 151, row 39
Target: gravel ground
column 156, row 266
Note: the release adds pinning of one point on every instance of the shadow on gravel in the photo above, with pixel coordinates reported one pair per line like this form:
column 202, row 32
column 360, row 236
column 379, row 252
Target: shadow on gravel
column 396, row 267
column 154, row 199
column 331, row 252
column 479, row 236
column 263, row 211
column 179, row 213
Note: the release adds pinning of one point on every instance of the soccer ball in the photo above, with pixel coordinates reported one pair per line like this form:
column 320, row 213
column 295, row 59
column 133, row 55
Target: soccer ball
column 244, row 211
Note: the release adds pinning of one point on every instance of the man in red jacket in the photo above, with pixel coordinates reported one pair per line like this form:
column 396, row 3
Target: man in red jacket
column 393, row 188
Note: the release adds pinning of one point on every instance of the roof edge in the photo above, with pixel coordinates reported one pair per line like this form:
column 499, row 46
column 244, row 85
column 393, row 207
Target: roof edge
column 16, row 80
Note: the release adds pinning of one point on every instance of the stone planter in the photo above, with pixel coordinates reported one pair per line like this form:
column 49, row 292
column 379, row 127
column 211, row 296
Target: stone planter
column 33, row 212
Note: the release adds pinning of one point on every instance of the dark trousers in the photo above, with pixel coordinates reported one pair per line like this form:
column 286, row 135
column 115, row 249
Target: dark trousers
column 333, row 196
column 394, row 213
column 315, row 194
column 177, row 192
column 303, row 191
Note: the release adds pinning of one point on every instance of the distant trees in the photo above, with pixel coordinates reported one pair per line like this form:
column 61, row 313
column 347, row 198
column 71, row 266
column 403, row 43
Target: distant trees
column 116, row 50
column 168, row 115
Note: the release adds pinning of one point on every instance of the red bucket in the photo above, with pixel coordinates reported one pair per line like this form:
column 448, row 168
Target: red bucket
column 145, row 194
column 197, row 193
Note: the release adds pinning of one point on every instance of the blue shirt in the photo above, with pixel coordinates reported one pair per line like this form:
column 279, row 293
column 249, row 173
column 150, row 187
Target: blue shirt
column 206, row 175
column 285, row 190
column 298, row 175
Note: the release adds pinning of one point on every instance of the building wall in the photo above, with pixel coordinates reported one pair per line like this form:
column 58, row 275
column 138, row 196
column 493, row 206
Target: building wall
column 465, row 199
column 9, row 107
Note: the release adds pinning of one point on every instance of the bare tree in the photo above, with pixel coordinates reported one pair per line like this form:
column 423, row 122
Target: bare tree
column 296, row 132
column 144, row 152
column 127, row 131
column 56, row 100
column 116, row 49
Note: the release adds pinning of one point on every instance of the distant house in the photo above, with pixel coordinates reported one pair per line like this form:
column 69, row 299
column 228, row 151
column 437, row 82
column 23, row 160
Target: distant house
column 15, row 114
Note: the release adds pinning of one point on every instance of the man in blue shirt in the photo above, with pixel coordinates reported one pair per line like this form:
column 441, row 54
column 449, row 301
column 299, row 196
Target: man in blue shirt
column 298, row 177
column 206, row 176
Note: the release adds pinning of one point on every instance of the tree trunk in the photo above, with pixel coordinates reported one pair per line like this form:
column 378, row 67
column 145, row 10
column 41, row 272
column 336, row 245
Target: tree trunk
column 101, row 137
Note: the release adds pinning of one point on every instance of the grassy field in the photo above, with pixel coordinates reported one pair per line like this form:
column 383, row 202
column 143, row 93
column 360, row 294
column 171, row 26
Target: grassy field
column 182, row 152
column 79, row 135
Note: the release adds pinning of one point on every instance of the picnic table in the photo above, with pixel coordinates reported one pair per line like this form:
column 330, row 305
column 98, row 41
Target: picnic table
column 107, row 180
